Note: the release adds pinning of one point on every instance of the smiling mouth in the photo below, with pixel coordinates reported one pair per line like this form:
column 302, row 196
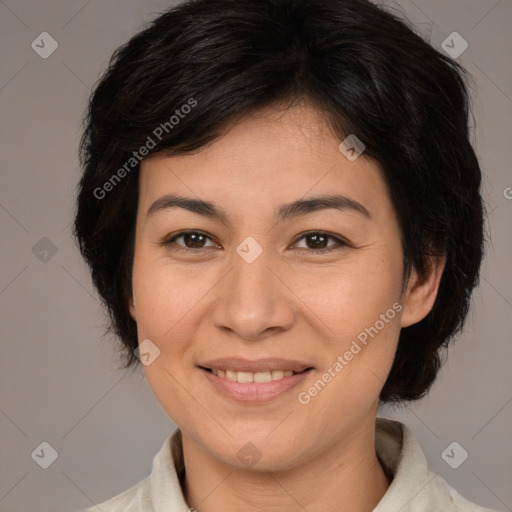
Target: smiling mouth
column 258, row 377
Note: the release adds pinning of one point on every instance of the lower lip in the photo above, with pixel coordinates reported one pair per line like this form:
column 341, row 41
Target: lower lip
column 254, row 392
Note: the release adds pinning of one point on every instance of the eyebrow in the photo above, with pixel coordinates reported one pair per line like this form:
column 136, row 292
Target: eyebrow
column 284, row 212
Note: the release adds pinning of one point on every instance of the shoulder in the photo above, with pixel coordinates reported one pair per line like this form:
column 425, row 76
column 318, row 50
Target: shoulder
column 131, row 500
column 414, row 487
column 158, row 491
column 443, row 492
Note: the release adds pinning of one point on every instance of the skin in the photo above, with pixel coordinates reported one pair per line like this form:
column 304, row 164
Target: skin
column 291, row 302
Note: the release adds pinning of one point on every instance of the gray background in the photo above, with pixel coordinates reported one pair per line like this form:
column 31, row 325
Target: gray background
column 58, row 376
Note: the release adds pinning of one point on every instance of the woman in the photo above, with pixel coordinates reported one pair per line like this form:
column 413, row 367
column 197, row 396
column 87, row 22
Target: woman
column 281, row 209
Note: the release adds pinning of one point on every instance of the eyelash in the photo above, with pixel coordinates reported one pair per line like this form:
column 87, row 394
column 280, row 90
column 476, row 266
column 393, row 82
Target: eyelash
column 168, row 242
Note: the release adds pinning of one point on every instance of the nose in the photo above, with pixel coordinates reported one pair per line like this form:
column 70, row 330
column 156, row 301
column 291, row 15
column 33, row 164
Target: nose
column 252, row 300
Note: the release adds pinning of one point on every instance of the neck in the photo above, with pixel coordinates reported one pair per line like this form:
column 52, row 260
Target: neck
column 346, row 476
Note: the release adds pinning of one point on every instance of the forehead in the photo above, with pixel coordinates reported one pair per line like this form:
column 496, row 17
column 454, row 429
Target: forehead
column 270, row 157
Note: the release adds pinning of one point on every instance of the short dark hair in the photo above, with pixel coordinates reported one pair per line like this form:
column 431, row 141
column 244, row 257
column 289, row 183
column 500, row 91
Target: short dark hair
column 374, row 76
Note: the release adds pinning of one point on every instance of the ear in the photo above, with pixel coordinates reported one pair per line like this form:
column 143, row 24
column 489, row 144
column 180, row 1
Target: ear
column 421, row 292
column 131, row 307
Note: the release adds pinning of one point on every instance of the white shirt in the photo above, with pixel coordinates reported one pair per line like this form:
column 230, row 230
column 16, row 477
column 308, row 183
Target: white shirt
column 414, row 488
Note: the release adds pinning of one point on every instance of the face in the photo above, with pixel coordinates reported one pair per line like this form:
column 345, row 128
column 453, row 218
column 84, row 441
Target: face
column 249, row 277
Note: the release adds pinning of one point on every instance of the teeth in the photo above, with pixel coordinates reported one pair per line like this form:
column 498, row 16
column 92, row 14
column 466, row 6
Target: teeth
column 253, row 377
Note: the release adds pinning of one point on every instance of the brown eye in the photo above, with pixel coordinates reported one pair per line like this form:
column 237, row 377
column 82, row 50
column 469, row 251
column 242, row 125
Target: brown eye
column 317, row 241
column 190, row 240
column 195, row 240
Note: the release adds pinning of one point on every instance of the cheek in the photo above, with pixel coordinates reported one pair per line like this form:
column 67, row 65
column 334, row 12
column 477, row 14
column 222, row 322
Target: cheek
column 349, row 297
column 358, row 309
column 168, row 299
column 166, row 291
column 360, row 318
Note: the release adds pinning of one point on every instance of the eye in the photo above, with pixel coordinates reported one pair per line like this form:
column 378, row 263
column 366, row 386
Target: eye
column 317, row 241
column 191, row 240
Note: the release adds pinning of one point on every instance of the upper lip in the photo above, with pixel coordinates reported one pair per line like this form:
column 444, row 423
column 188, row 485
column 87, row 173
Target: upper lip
column 261, row 365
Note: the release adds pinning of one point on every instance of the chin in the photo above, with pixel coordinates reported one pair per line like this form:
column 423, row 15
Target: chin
column 258, row 455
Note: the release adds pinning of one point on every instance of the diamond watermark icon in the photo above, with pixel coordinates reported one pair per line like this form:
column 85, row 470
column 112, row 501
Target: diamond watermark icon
column 249, row 454
column 352, row 147
column 44, row 250
column 147, row 352
column 249, row 249
column 44, row 45
column 454, row 45
column 45, row 455
column 454, row 455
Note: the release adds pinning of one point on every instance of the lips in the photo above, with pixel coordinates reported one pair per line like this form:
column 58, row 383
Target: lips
column 247, row 382
column 254, row 392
